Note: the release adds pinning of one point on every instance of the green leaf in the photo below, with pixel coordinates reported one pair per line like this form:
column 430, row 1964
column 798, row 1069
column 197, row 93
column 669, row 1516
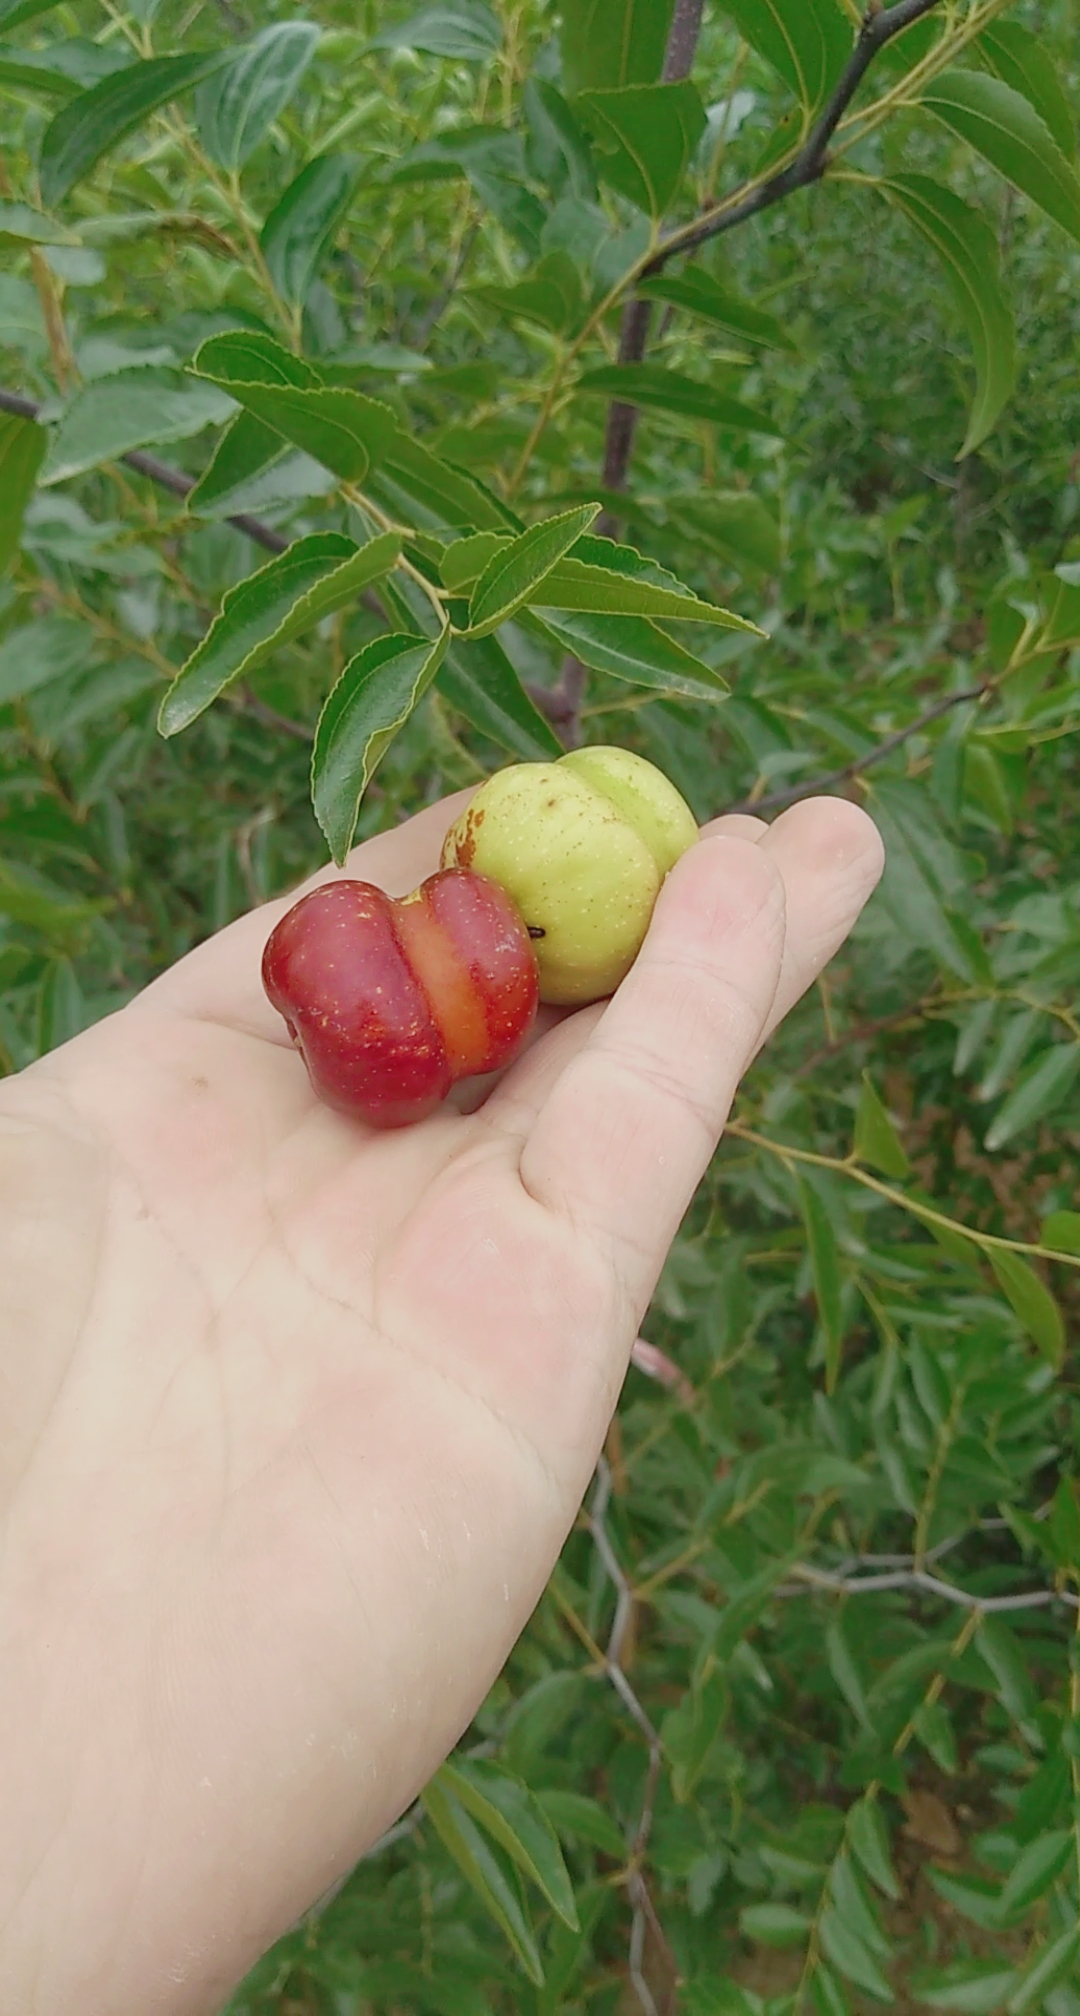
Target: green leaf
column 482, row 1868
column 853, row 1902
column 480, row 683
column 14, row 12
column 344, row 430
column 876, row 1139
column 970, row 1895
column 61, row 1006
column 493, row 159
column 550, row 295
column 744, row 1608
column 1006, row 130
column 830, row 1995
column 304, row 220
column 969, row 1987
column 556, row 150
column 408, row 474
column 967, row 248
column 336, row 426
column 1065, row 1522
column 1021, row 59
column 1001, row 1650
column 246, row 448
column 97, row 119
column 467, row 32
column 1061, row 1230
column 1030, row 1301
column 144, row 407
column 630, row 647
column 63, row 69
column 652, row 385
column 827, row 1273
column 918, row 874
column 328, row 423
column 372, row 700
column 22, row 451
column 514, row 574
column 582, row 1819
column 1051, row 1966
column 1061, row 601
column 646, row 136
column 249, row 357
column 935, row 1732
column 607, row 43
column 690, row 1731
column 51, row 648
column 1042, row 1088
column 19, row 224
column 847, row 1951
column 699, row 294
column 510, row 1813
column 843, row 1668
column 806, row 42
column 463, row 561
column 234, row 108
column 736, row 523
column 601, row 578
column 1035, row 1869
column 774, row 1924
column 29, row 899
column 868, row 1835
column 318, row 574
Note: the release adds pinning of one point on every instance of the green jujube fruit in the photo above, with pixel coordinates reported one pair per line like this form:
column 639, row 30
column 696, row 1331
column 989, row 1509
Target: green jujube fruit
column 582, row 845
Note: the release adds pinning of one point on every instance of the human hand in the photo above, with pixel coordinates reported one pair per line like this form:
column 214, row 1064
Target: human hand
column 296, row 1417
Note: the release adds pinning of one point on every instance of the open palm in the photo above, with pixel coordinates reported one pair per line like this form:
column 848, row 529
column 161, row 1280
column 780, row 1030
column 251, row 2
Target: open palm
column 296, row 1417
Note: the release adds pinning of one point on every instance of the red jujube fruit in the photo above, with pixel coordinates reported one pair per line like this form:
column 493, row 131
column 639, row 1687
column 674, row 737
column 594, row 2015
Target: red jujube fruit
column 390, row 1002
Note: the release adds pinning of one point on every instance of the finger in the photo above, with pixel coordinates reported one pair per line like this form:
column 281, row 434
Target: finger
column 221, row 980
column 831, row 856
column 631, row 1123
column 737, row 826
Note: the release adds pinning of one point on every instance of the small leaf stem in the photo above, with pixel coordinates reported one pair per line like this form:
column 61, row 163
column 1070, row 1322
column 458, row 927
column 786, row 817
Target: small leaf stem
column 929, row 1215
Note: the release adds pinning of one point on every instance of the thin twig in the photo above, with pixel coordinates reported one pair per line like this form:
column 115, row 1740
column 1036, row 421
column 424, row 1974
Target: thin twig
column 260, row 710
column 879, row 26
column 447, row 291
column 803, row 1578
column 622, row 417
column 777, row 799
column 644, row 1914
column 162, row 473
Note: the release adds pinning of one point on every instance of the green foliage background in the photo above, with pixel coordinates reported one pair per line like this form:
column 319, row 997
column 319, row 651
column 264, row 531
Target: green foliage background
column 799, row 1715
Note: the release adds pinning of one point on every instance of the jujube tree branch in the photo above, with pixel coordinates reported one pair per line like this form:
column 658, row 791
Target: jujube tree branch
column 880, row 26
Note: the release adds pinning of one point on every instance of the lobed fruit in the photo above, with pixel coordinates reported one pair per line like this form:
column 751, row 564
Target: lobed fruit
column 582, row 846
column 390, row 1002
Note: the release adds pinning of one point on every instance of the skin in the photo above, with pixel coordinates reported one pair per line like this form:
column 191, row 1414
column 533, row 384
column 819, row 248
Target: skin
column 296, row 1416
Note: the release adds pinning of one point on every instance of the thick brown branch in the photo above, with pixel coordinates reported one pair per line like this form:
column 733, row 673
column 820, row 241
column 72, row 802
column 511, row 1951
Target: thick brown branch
column 622, row 418
column 682, row 40
column 776, row 800
column 634, row 335
column 880, row 25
